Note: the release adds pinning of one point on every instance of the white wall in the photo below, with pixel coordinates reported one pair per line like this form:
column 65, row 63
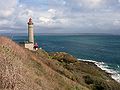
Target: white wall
column 29, row 46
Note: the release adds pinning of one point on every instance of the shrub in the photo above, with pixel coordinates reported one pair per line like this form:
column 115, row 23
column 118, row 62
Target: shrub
column 88, row 80
column 100, row 85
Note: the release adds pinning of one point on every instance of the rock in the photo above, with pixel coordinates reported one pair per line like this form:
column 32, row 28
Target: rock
column 63, row 57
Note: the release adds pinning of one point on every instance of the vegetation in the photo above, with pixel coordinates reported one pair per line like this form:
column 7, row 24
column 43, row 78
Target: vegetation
column 21, row 69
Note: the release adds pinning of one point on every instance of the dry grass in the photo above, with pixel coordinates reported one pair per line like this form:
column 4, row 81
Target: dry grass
column 85, row 73
column 21, row 69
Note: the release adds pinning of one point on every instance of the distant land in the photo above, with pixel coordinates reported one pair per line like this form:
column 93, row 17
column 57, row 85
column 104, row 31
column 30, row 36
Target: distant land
column 5, row 33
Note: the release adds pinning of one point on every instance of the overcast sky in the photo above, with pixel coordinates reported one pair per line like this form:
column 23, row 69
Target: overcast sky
column 61, row 16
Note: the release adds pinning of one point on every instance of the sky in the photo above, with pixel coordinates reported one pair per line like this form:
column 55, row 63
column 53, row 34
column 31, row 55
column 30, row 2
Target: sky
column 61, row 16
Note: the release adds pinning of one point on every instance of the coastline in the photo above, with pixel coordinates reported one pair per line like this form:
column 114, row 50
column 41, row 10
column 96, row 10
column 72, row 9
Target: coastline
column 63, row 70
column 103, row 66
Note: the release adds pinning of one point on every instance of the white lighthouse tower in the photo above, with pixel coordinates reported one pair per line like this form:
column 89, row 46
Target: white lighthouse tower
column 30, row 43
column 30, row 31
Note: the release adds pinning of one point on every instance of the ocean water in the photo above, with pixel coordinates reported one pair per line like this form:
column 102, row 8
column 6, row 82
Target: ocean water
column 103, row 50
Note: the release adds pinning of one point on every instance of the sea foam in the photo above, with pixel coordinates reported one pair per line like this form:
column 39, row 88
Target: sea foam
column 104, row 66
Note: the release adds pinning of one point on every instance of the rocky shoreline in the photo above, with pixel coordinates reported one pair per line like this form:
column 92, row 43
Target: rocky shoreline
column 96, row 77
column 112, row 73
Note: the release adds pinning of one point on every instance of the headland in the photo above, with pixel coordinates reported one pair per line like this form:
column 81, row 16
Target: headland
column 23, row 69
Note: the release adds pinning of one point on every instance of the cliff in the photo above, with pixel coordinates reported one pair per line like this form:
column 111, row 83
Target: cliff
column 21, row 69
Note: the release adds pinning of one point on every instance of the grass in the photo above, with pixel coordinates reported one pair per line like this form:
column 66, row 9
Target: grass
column 38, row 69
column 38, row 81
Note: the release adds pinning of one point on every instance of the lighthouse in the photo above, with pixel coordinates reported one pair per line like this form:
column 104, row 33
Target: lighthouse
column 30, row 31
column 30, row 43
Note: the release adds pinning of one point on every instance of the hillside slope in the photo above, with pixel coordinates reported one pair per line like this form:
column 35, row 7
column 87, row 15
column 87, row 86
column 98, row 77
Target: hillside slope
column 85, row 73
column 21, row 69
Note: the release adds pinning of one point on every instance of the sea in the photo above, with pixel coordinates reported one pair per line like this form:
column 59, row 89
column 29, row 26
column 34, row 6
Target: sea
column 103, row 50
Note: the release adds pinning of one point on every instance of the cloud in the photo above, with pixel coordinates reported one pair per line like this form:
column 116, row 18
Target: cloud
column 52, row 11
column 45, row 20
column 91, row 3
column 3, row 22
column 7, row 7
column 116, row 23
column 61, row 15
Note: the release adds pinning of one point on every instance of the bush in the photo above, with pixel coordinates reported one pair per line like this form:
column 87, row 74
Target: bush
column 88, row 80
column 100, row 85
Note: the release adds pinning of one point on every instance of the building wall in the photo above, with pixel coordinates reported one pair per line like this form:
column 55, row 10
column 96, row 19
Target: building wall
column 30, row 33
column 29, row 46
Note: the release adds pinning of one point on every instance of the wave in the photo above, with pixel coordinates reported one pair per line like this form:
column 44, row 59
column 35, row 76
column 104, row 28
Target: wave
column 104, row 66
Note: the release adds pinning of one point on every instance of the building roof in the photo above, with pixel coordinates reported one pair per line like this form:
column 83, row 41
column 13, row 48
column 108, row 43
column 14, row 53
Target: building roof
column 30, row 21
